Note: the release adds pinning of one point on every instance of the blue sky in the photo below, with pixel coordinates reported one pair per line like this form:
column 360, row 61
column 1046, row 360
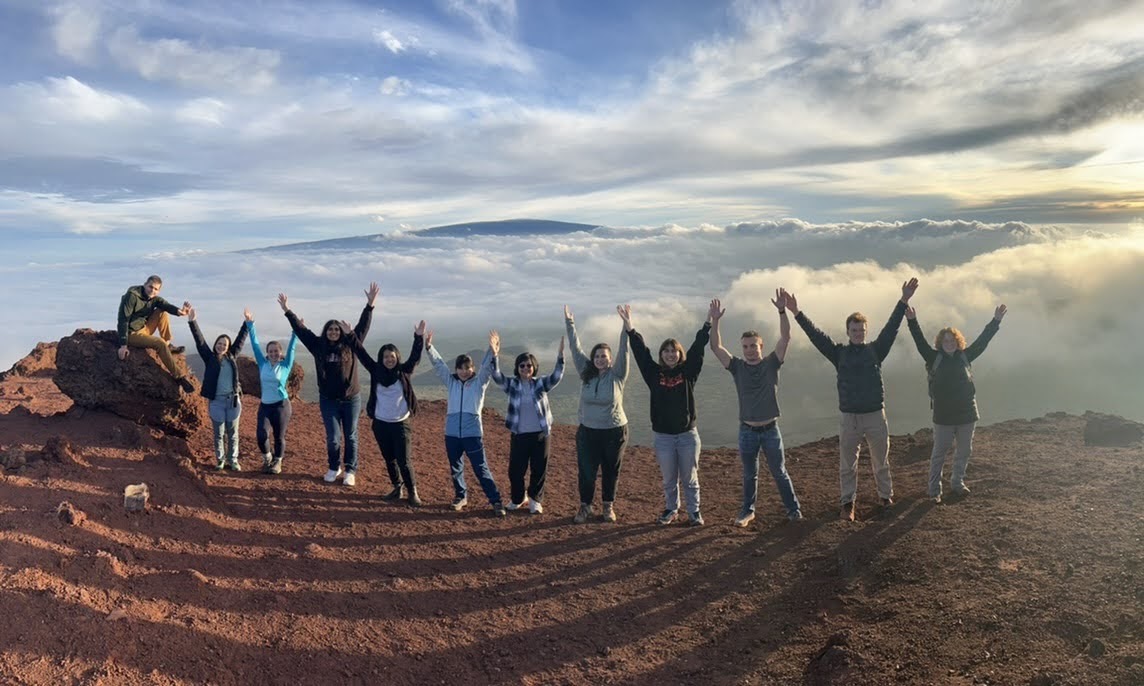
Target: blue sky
column 134, row 126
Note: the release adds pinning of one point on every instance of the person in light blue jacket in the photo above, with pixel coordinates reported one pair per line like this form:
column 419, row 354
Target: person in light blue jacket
column 274, row 410
column 464, row 434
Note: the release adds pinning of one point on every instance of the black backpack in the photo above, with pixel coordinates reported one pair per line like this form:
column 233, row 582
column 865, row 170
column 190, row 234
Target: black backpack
column 931, row 371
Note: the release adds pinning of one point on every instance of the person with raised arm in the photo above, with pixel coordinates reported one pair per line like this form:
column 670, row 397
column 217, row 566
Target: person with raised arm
column 143, row 322
column 274, row 408
column 953, row 395
column 529, row 421
column 603, row 431
column 222, row 388
column 671, row 380
column 757, row 383
column 861, row 395
column 464, row 432
column 339, row 396
column 391, row 407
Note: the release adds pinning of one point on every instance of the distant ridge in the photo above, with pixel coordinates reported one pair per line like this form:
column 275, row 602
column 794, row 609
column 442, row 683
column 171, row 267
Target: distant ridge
column 503, row 227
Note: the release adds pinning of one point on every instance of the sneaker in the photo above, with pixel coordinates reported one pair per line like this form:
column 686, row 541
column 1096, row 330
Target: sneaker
column 185, row 384
column 795, row 516
column 936, row 499
column 267, row 458
column 535, row 507
column 233, row 465
column 395, row 494
column 350, row 479
column 584, row 513
column 887, row 502
column 609, row 514
column 498, row 510
column 220, row 465
column 459, row 504
column 517, row 506
column 276, row 466
column 961, row 490
column 413, row 499
column 177, row 349
column 847, row 514
column 744, row 519
column 695, row 518
column 667, row 517
column 332, row 475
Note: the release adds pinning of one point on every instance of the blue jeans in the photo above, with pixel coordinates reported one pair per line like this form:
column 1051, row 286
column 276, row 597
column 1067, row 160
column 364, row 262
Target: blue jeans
column 678, row 457
column 770, row 441
column 474, row 447
column 340, row 418
column 224, row 412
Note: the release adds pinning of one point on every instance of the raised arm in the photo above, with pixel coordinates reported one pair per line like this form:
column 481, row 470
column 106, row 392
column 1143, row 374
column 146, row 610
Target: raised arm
column 579, row 359
column 288, row 361
column 255, row 345
column 889, row 332
column 620, row 364
column 780, row 303
column 486, row 369
column 439, row 365
column 714, row 313
column 649, row 370
column 694, row 362
column 818, row 339
column 550, row 381
column 360, row 352
column 414, row 358
column 920, row 343
column 243, row 332
column 308, row 338
column 200, row 344
column 978, row 346
column 366, row 318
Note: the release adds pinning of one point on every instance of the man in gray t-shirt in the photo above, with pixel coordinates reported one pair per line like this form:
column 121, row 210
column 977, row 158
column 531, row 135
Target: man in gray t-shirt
column 757, row 381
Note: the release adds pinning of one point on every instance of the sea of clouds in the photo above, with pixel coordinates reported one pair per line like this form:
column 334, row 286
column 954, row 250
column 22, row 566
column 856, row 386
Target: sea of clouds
column 1069, row 342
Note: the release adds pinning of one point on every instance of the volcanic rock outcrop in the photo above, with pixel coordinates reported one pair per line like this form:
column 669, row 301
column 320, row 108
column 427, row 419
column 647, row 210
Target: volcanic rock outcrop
column 89, row 371
column 252, row 385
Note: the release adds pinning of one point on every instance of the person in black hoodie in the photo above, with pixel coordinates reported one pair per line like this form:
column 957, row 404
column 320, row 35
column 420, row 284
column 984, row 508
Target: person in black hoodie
column 339, row 397
column 671, row 380
column 953, row 395
column 221, row 387
column 391, row 405
column 861, row 395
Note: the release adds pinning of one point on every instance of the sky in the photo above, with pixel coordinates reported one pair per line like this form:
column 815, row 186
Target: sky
column 129, row 127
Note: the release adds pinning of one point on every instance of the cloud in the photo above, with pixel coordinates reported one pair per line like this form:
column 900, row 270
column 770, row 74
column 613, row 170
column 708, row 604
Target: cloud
column 393, row 85
column 69, row 99
column 180, row 62
column 389, row 41
column 76, row 31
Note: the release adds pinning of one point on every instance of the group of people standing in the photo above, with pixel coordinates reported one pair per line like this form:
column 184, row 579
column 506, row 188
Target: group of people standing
column 602, row 434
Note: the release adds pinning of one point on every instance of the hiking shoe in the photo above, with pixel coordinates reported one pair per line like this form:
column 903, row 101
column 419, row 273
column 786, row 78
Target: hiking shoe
column 609, row 514
column 275, row 466
column 395, row 494
column 498, row 510
column 459, row 504
column 413, row 499
column 667, row 517
column 795, row 516
column 185, row 384
column 517, row 506
column 350, row 479
column 847, row 514
column 332, row 475
column 584, row 513
column 695, row 518
column 177, row 349
column 744, row 519
column 535, row 507
column 961, row 490
column 233, row 465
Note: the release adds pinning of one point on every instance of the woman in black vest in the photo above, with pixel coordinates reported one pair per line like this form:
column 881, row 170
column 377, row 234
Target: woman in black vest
column 221, row 387
column 952, row 395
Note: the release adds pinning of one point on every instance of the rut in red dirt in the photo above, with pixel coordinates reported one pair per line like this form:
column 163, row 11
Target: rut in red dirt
column 243, row 578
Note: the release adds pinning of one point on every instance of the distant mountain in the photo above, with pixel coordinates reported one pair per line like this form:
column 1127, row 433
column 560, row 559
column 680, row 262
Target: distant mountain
column 505, row 227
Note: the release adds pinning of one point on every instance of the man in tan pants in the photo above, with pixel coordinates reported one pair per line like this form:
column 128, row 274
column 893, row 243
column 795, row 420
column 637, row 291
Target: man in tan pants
column 861, row 396
column 144, row 322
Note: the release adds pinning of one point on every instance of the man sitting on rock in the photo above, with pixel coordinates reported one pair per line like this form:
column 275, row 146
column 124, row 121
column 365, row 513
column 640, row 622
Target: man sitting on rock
column 144, row 323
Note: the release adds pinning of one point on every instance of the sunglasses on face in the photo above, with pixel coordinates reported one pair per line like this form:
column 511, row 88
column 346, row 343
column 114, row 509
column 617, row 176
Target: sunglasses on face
column 524, row 365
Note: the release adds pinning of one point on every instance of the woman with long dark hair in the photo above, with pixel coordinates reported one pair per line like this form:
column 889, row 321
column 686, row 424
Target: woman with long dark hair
column 221, row 387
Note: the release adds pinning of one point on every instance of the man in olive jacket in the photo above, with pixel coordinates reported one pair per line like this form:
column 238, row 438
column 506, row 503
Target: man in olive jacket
column 143, row 322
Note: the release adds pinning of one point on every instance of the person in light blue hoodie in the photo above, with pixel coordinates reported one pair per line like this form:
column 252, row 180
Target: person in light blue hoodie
column 274, row 411
column 464, row 434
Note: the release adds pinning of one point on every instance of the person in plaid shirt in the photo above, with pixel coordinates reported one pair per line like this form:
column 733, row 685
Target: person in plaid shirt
column 529, row 419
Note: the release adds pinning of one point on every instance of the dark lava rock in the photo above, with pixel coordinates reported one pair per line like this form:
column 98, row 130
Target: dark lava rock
column 1111, row 431
column 252, row 385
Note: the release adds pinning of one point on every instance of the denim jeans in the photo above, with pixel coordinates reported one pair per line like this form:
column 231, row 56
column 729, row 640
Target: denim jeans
column 678, row 457
column 943, row 438
column 770, row 441
column 340, row 418
column 224, row 412
column 474, row 447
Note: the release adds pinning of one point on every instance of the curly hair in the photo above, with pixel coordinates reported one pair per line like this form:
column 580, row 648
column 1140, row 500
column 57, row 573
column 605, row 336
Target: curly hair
column 953, row 332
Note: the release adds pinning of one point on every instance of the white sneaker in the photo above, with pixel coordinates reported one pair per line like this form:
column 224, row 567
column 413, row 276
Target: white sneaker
column 535, row 507
column 350, row 479
column 332, row 475
column 516, row 506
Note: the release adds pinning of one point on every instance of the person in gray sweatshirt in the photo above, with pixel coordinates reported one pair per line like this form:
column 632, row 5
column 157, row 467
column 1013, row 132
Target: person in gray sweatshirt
column 464, row 433
column 603, row 431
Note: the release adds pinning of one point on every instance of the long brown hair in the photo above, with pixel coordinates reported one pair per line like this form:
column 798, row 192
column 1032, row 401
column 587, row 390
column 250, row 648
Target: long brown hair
column 590, row 371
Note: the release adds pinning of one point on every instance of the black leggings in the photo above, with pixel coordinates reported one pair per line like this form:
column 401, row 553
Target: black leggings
column 395, row 440
column 600, row 450
column 273, row 416
column 527, row 452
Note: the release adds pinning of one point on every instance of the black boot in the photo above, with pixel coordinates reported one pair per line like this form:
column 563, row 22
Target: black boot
column 413, row 499
column 395, row 494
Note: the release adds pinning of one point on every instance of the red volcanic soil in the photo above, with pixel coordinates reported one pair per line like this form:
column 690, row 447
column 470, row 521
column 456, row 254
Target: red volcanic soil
column 1035, row 578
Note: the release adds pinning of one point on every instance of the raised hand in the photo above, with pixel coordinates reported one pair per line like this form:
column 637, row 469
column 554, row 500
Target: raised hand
column 779, row 301
column 346, row 328
column 560, row 351
column 715, row 311
column 248, row 314
column 625, row 312
column 567, row 313
column 494, row 341
column 191, row 314
column 999, row 313
column 372, row 293
column 791, row 303
column 283, row 302
column 420, row 330
column 911, row 313
column 428, row 339
column 908, row 289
